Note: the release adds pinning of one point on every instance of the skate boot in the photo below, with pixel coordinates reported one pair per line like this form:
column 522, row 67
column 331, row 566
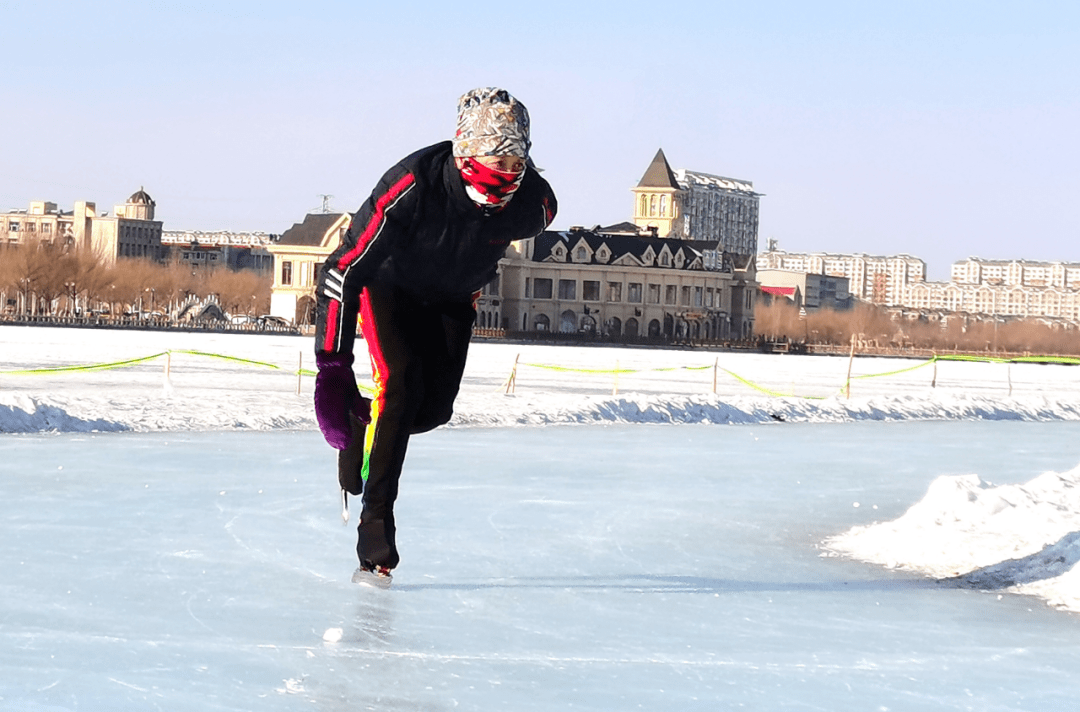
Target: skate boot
column 368, row 574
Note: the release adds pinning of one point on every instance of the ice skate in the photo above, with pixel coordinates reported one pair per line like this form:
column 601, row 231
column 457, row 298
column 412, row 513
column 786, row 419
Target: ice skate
column 371, row 575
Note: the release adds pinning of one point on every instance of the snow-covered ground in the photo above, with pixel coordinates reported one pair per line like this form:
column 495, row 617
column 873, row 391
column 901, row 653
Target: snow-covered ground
column 597, row 555
column 610, row 385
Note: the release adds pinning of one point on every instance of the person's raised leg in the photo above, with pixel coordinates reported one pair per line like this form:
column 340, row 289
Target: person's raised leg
column 443, row 356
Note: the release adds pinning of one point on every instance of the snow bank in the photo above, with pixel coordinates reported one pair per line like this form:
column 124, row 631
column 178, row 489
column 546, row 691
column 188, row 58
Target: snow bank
column 564, row 385
column 237, row 411
column 1020, row 538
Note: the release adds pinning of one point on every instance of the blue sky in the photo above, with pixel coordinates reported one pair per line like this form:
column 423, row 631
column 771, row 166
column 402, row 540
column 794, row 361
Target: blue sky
column 938, row 129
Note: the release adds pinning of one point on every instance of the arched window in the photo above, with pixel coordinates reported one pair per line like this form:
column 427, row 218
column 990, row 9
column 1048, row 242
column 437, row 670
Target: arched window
column 652, row 206
column 631, row 327
column 567, row 321
column 663, row 205
column 542, row 323
column 643, row 209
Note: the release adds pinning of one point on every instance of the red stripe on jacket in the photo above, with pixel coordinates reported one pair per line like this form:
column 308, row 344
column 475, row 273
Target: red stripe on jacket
column 379, row 366
column 376, row 221
column 330, row 338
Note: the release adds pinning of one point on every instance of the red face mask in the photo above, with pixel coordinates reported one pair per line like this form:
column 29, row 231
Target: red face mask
column 489, row 187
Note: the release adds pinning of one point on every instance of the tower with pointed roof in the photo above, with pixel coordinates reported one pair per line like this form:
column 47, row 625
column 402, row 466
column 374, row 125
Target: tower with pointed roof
column 658, row 199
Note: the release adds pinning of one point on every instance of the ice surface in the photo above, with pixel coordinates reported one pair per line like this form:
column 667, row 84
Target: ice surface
column 603, row 568
column 199, row 562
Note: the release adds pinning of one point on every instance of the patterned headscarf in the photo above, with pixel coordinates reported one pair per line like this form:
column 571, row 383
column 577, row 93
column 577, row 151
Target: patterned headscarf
column 491, row 122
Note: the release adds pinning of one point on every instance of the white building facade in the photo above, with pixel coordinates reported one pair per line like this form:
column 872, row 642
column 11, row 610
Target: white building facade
column 872, row 278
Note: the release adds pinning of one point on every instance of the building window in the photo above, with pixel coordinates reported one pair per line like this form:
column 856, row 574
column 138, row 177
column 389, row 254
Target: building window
column 697, row 296
column 670, row 294
column 710, row 297
column 652, row 206
column 567, row 289
column 528, row 288
column 633, row 292
column 663, row 206
column 654, row 294
column 614, row 291
column 13, row 226
column 542, row 288
column 686, row 296
column 581, row 255
column 665, row 259
column 286, row 271
column 46, row 228
column 643, row 210
column 590, row 291
column 31, row 227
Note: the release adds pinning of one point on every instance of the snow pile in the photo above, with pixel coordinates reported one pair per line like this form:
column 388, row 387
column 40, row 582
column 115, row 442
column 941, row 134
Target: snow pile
column 554, row 408
column 1021, row 538
column 236, row 410
column 24, row 414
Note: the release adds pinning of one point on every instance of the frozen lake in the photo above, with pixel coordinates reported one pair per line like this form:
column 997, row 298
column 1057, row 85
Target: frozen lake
column 585, row 568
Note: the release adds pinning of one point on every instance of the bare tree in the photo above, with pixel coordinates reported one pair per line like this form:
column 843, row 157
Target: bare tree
column 89, row 278
column 239, row 292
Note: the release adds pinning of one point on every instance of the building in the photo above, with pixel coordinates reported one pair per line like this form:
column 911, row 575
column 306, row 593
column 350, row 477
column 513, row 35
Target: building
column 298, row 254
column 131, row 231
column 41, row 220
column 234, row 250
column 881, row 280
column 611, row 284
column 805, row 289
column 1051, row 303
column 660, row 276
column 658, row 200
column 690, row 205
column 1019, row 273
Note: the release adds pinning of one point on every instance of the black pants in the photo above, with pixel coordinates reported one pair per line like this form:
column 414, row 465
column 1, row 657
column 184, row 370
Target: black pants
column 418, row 353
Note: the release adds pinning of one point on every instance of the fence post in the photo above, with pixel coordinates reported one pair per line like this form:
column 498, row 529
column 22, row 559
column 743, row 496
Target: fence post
column 1008, row 366
column 933, row 382
column 168, row 365
column 615, row 386
column 299, row 371
column 511, row 382
column 851, row 360
column 715, row 369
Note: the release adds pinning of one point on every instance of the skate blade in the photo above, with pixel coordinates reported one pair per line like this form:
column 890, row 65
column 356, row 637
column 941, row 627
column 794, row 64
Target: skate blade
column 372, row 579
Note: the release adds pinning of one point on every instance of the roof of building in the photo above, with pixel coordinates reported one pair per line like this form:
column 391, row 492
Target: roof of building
column 687, row 178
column 620, row 246
column 140, row 197
column 311, row 232
column 658, row 174
column 627, row 228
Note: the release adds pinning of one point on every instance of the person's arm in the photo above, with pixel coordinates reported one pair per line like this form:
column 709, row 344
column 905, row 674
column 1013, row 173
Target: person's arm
column 385, row 214
column 379, row 221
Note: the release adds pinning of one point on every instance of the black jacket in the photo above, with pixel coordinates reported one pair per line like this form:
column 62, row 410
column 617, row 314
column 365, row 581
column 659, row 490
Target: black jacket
column 420, row 231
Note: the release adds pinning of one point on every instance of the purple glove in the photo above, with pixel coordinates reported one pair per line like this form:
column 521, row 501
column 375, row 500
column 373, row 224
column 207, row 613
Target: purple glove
column 336, row 395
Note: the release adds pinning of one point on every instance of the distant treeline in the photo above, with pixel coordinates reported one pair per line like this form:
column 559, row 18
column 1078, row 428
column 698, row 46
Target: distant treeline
column 42, row 278
column 781, row 321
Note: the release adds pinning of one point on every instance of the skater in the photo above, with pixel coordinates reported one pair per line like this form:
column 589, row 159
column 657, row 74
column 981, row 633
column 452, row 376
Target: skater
column 411, row 264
